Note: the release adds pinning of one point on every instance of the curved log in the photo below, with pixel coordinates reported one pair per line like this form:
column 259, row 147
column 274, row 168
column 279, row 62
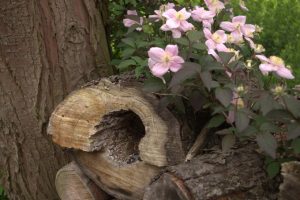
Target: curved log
column 75, row 122
column 72, row 184
column 238, row 175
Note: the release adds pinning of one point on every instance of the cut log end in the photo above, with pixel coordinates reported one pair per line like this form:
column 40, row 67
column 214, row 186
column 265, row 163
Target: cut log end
column 72, row 184
column 81, row 118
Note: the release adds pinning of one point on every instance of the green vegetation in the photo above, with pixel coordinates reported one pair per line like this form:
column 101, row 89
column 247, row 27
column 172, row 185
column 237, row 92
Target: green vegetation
column 281, row 29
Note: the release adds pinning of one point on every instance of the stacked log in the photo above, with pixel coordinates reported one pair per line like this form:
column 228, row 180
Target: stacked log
column 130, row 148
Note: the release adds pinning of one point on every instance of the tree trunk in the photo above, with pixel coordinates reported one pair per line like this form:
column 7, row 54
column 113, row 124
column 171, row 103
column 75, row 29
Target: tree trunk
column 47, row 49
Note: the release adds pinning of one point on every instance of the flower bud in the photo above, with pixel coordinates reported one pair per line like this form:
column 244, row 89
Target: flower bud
column 240, row 89
column 249, row 64
column 278, row 90
column 259, row 48
column 258, row 29
column 240, row 103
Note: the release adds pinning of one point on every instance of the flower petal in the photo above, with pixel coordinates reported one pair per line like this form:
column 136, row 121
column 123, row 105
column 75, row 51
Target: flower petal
column 186, row 26
column 129, row 22
column 185, row 13
column 159, row 69
column 156, row 54
column 248, row 30
column 222, row 48
column 214, row 54
column 165, row 27
column 169, row 14
column 228, row 26
column 285, row 73
column 222, row 35
column 176, row 33
column 207, row 33
column 239, row 19
column 171, row 23
column 210, row 44
column 263, row 58
column 175, row 67
column 266, row 67
column 172, row 49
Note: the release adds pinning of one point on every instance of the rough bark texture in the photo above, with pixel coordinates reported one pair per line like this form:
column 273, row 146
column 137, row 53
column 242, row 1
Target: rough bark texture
column 47, row 48
column 217, row 176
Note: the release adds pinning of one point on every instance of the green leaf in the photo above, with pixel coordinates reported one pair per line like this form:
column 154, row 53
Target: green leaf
column 225, row 131
column 279, row 115
column 216, row 121
column 241, row 120
column 226, row 57
column 183, row 41
column 224, row 95
column 153, row 85
column 293, row 131
column 140, row 61
column 296, row 145
column 194, row 35
column 200, row 46
column 129, row 41
column 125, row 64
column 267, row 103
column 227, row 142
column 188, row 71
column 273, row 169
column 207, row 80
column 267, row 143
column 126, row 53
column 293, row 105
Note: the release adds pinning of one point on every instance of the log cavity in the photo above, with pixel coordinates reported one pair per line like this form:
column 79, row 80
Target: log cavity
column 118, row 134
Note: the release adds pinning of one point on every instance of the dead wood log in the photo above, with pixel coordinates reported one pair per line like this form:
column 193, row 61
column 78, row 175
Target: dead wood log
column 238, row 175
column 72, row 184
column 75, row 122
column 290, row 188
column 120, row 136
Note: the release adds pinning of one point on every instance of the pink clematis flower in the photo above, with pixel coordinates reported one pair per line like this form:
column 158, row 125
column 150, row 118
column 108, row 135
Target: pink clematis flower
column 239, row 28
column 130, row 22
column 215, row 42
column 158, row 13
column 161, row 61
column 177, row 22
column 274, row 64
column 214, row 5
column 204, row 16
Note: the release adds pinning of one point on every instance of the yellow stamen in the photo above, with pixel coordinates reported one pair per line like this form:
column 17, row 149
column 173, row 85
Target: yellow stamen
column 179, row 16
column 276, row 60
column 217, row 38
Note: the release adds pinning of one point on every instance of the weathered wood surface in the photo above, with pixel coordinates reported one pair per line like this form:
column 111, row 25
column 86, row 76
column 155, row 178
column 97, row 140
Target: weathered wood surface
column 238, row 175
column 72, row 184
column 290, row 188
column 75, row 122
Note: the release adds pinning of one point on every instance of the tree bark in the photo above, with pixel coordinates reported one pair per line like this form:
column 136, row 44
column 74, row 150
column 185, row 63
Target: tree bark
column 47, row 49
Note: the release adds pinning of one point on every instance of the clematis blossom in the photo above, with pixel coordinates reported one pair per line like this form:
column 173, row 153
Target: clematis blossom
column 163, row 60
column 215, row 41
column 204, row 16
column 158, row 13
column 130, row 22
column 274, row 64
column 214, row 5
column 177, row 22
column 239, row 28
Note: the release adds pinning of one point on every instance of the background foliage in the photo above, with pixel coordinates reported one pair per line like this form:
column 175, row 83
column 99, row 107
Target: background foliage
column 279, row 19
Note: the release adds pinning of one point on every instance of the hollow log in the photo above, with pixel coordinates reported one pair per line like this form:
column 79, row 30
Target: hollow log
column 238, row 175
column 72, row 184
column 75, row 121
